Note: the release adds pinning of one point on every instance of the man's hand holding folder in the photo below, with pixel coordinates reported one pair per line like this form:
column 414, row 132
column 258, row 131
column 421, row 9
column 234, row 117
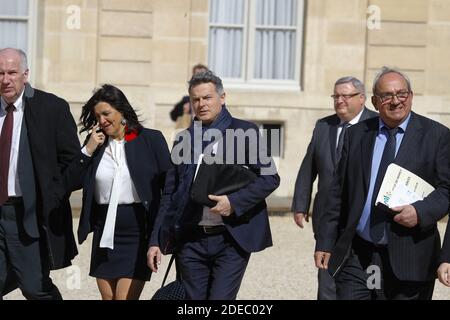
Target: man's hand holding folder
column 223, row 206
column 399, row 189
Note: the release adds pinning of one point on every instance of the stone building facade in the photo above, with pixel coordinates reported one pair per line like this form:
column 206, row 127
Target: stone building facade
column 147, row 48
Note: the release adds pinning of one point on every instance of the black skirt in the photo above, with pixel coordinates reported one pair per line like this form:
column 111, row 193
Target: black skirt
column 128, row 259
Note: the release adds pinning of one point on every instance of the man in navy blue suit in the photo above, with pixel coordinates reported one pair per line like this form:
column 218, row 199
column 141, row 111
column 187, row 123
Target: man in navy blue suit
column 216, row 243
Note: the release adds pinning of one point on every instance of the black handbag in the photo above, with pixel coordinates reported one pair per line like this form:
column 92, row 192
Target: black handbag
column 219, row 179
column 173, row 290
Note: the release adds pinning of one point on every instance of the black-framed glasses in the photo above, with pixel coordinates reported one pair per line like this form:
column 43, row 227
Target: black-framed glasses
column 388, row 97
column 346, row 97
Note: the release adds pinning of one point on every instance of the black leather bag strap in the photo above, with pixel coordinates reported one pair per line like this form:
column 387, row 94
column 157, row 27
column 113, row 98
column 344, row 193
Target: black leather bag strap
column 172, row 258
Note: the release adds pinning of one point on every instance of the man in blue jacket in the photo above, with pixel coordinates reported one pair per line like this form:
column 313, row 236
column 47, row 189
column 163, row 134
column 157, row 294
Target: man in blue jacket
column 215, row 243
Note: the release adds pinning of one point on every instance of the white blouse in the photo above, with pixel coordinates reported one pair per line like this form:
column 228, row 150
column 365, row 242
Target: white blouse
column 113, row 186
column 114, row 158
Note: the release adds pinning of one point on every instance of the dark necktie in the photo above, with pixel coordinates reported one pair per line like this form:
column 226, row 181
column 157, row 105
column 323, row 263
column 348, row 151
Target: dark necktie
column 5, row 151
column 340, row 144
column 378, row 217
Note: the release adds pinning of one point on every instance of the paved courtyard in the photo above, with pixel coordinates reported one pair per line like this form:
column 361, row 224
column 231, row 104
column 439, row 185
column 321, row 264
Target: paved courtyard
column 284, row 271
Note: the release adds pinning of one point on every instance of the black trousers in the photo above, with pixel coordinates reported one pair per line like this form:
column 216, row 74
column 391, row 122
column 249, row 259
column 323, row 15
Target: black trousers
column 368, row 275
column 326, row 286
column 21, row 259
column 211, row 267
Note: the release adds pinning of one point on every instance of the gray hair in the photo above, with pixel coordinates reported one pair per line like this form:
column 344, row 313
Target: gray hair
column 206, row 77
column 385, row 70
column 354, row 81
column 23, row 57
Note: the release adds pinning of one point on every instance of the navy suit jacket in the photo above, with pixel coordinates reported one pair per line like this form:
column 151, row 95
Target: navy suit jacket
column 148, row 160
column 249, row 224
column 319, row 161
column 413, row 252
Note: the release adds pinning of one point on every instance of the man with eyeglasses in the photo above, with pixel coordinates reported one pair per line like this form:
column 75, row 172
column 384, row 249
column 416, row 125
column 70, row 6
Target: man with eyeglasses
column 386, row 254
column 322, row 157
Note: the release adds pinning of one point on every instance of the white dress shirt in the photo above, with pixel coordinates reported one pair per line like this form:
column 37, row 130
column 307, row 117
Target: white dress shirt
column 13, row 178
column 355, row 120
column 105, row 175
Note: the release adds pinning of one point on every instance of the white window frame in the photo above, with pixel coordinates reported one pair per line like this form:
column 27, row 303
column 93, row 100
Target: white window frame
column 244, row 27
column 31, row 20
column 247, row 81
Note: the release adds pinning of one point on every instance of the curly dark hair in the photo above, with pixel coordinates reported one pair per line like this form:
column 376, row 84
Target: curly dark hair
column 117, row 99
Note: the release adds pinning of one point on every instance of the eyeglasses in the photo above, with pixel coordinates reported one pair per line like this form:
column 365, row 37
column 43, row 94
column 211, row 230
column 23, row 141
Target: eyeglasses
column 346, row 97
column 388, row 97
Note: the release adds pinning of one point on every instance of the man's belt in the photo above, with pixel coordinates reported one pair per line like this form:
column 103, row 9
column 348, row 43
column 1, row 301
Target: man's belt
column 213, row 229
column 13, row 201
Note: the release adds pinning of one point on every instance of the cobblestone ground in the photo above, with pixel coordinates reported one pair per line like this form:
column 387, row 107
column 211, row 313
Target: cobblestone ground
column 284, row 271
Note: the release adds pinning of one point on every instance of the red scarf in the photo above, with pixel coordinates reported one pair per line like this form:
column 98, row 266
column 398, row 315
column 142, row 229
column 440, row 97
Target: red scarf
column 130, row 135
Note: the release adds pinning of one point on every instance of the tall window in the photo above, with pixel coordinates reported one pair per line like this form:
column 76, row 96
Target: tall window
column 16, row 24
column 256, row 40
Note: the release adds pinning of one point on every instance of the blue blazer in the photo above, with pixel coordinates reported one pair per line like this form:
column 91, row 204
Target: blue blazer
column 248, row 225
column 148, row 160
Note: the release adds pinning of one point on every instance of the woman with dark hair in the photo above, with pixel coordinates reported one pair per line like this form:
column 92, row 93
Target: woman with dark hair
column 122, row 170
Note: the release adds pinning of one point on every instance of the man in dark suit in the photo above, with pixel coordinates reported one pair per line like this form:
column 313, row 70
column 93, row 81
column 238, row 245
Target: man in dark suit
column 323, row 153
column 216, row 242
column 386, row 254
column 38, row 140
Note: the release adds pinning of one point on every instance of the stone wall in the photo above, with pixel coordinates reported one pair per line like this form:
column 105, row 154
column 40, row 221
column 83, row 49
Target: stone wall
column 148, row 47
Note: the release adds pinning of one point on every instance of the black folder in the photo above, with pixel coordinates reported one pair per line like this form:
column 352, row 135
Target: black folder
column 219, row 179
